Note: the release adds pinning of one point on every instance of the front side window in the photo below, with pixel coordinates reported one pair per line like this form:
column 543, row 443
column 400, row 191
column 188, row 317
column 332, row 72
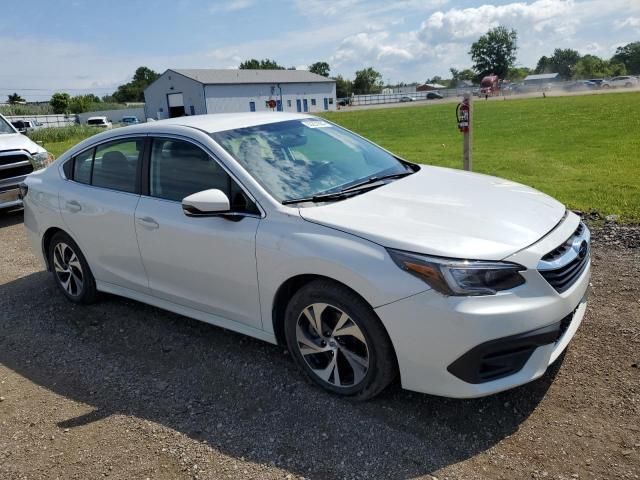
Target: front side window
column 179, row 169
column 300, row 158
column 115, row 165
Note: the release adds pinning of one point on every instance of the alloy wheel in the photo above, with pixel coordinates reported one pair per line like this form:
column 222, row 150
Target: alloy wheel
column 68, row 269
column 332, row 345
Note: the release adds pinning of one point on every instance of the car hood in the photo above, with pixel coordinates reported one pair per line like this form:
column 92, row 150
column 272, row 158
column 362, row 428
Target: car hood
column 445, row 212
column 18, row 141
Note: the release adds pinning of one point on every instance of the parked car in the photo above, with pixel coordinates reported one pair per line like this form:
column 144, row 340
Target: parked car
column 434, row 96
column 19, row 156
column 596, row 81
column 580, row 85
column 406, row 98
column 129, row 120
column 364, row 265
column 343, row 102
column 99, row 122
column 621, row 81
column 23, row 126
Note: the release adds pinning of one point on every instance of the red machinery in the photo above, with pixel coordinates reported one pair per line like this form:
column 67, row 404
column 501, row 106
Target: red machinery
column 489, row 85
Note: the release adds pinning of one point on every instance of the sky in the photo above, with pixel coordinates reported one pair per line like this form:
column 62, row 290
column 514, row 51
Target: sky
column 93, row 46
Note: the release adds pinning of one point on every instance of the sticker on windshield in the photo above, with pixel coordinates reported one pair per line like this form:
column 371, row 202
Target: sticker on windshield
column 315, row 124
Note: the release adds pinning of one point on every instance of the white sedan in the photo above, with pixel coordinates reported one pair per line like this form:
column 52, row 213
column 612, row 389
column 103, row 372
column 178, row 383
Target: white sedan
column 293, row 230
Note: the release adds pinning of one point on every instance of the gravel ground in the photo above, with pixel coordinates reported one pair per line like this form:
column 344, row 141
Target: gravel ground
column 123, row 390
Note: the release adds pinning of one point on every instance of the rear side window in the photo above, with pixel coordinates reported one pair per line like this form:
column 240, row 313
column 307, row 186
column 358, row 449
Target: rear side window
column 115, row 165
column 82, row 167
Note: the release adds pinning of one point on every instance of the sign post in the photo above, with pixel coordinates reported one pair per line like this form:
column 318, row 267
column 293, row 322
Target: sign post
column 467, row 157
column 464, row 115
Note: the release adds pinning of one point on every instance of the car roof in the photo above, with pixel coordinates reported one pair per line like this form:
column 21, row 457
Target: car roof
column 218, row 122
column 96, row 118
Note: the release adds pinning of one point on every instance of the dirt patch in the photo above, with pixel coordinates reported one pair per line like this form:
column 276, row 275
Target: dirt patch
column 123, row 390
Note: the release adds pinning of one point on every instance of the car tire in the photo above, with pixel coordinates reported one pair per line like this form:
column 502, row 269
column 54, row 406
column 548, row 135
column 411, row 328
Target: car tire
column 70, row 270
column 352, row 355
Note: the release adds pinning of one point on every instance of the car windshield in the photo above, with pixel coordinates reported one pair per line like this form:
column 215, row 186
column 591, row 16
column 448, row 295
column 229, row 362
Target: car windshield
column 302, row 158
column 95, row 121
column 5, row 127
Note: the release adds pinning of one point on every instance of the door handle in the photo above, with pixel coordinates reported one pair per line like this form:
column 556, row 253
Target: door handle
column 73, row 206
column 148, row 223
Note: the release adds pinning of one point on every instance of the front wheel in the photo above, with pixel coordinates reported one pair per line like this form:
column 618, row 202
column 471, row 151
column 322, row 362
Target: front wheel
column 71, row 270
column 338, row 340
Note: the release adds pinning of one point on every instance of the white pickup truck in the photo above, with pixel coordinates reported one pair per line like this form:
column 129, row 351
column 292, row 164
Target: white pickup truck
column 19, row 156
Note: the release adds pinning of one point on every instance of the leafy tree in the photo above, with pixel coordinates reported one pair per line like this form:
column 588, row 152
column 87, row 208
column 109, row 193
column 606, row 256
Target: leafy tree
column 564, row 61
column 344, row 87
column 494, row 52
column 629, row 56
column 14, row 98
column 517, row 74
column 367, row 80
column 320, row 68
column 591, row 66
column 616, row 68
column 458, row 76
column 265, row 64
column 81, row 103
column 436, row 79
column 109, row 99
column 60, row 102
column 134, row 90
column 544, row 65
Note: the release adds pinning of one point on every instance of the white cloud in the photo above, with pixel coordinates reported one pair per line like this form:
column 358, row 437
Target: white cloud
column 367, row 48
column 230, row 6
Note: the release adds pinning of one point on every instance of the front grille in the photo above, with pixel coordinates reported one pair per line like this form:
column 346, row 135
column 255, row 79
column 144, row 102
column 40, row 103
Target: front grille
column 14, row 164
column 562, row 266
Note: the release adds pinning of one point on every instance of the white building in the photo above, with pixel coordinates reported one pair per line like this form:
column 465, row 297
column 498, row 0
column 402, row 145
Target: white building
column 199, row 91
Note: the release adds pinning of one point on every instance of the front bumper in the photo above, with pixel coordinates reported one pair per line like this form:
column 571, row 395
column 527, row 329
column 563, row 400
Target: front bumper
column 431, row 333
column 10, row 197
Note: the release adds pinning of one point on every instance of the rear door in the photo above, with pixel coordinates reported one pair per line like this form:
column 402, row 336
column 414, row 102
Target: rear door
column 206, row 263
column 98, row 203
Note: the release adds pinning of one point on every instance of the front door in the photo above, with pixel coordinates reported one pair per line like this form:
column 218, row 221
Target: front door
column 305, row 105
column 206, row 263
column 98, row 204
column 298, row 105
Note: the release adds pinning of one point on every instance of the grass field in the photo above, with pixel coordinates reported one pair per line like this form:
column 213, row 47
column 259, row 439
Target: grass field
column 583, row 150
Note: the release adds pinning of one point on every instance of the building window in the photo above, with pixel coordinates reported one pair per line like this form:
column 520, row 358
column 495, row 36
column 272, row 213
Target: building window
column 313, row 102
column 192, row 109
column 331, row 101
column 288, row 103
column 252, row 106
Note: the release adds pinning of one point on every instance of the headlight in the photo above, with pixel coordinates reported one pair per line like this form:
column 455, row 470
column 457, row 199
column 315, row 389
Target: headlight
column 460, row 277
column 41, row 160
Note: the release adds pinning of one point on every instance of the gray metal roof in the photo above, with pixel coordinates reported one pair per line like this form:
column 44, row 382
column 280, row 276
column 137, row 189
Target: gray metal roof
column 542, row 76
column 217, row 76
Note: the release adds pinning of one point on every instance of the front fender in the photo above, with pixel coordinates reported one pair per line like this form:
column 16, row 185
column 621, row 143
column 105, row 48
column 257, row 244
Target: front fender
column 289, row 246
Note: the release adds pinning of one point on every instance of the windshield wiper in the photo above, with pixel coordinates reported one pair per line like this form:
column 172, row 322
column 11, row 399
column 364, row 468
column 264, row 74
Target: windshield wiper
column 375, row 179
column 359, row 187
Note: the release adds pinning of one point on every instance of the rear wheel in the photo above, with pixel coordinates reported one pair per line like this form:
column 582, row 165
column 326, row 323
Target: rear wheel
column 70, row 269
column 339, row 341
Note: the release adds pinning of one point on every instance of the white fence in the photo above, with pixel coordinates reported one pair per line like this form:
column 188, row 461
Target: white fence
column 46, row 120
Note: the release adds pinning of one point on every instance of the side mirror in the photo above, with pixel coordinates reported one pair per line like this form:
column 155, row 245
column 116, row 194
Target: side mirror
column 206, row 203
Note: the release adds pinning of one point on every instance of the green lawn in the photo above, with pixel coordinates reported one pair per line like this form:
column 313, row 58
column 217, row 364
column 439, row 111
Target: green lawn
column 583, row 150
